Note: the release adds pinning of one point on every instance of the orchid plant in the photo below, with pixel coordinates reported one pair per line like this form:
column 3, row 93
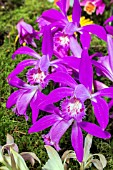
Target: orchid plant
column 65, row 62
column 13, row 160
column 57, row 163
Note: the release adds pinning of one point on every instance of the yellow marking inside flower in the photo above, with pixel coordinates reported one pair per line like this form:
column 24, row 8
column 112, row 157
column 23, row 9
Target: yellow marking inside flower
column 83, row 20
column 89, row 8
column 16, row 39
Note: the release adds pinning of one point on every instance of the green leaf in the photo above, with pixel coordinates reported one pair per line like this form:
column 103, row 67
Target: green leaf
column 102, row 160
column 3, row 168
column 20, row 163
column 87, row 146
column 30, row 156
column 54, row 163
column 97, row 164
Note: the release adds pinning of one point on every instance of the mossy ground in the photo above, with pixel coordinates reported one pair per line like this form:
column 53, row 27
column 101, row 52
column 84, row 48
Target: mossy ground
column 17, row 126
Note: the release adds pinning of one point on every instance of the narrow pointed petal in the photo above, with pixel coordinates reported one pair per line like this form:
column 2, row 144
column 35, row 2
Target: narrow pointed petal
column 43, row 123
column 94, row 130
column 75, row 47
column 58, row 130
column 13, row 98
column 97, row 30
column 85, row 39
column 71, row 61
column 53, row 15
column 47, row 42
column 110, row 50
column 62, row 77
column 20, row 67
column 56, row 95
column 104, row 69
column 77, row 141
column 110, row 104
column 108, row 20
column 101, row 111
column 16, row 82
column 25, row 50
column 34, row 104
column 23, row 101
column 106, row 92
column 99, row 85
column 86, row 71
column 76, row 14
column 62, row 6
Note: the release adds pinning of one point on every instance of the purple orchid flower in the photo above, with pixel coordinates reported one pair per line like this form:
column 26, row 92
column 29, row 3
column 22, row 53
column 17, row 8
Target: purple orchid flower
column 36, row 75
column 71, row 112
column 63, row 30
column 83, row 91
column 23, row 97
column 90, row 6
column 72, row 109
column 26, row 33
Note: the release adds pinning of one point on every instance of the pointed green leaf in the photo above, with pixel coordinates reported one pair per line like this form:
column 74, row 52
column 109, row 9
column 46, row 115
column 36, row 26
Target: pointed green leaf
column 20, row 163
column 87, row 146
column 30, row 156
column 102, row 159
column 97, row 164
column 54, row 163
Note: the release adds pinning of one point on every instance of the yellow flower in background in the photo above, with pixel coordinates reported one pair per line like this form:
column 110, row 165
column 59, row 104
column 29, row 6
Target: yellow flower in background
column 83, row 20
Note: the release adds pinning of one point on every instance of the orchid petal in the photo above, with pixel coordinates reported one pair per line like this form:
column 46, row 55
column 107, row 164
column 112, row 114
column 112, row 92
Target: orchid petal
column 76, row 14
column 47, row 42
column 106, row 92
column 104, row 69
column 34, row 104
column 101, row 111
column 98, row 30
column 12, row 99
column 16, row 82
column 58, row 130
column 23, row 101
column 77, row 142
column 94, row 130
column 109, row 29
column 86, row 71
column 56, row 95
column 62, row 6
column 82, row 93
column 44, row 123
column 53, row 15
column 44, row 63
column 25, row 50
column 110, row 50
column 20, row 67
column 99, row 85
column 85, row 39
column 108, row 20
column 75, row 47
column 62, row 77
column 71, row 61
